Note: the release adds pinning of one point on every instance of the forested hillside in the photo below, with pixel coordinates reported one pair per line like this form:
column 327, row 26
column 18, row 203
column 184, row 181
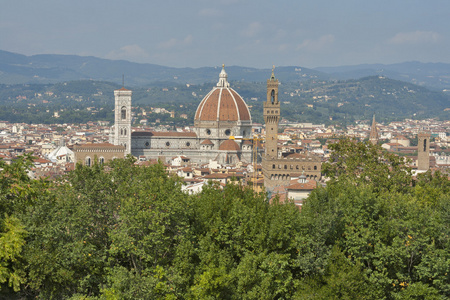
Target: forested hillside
column 314, row 101
column 124, row 231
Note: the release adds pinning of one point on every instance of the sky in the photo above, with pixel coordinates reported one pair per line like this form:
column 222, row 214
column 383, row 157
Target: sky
column 249, row 33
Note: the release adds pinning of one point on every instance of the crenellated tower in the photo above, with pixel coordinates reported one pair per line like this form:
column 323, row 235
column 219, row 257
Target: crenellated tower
column 272, row 116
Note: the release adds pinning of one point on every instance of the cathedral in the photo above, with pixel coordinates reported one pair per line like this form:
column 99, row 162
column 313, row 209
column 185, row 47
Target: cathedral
column 221, row 114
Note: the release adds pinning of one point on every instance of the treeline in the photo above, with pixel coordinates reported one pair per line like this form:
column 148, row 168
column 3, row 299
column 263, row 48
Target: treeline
column 123, row 231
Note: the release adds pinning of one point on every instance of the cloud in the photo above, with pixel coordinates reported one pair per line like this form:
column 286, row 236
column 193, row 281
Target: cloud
column 317, row 44
column 283, row 47
column 414, row 37
column 129, row 52
column 252, row 29
column 208, row 12
column 171, row 43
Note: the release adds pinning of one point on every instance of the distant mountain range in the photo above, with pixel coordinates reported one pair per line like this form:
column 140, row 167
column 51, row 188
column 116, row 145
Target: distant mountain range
column 432, row 75
column 52, row 68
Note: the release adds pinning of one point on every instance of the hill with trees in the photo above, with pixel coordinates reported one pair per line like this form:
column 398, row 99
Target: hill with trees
column 52, row 68
column 314, row 101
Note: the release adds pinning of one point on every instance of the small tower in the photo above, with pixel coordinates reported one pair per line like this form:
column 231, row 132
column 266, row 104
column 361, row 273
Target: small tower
column 423, row 151
column 122, row 123
column 373, row 138
column 272, row 116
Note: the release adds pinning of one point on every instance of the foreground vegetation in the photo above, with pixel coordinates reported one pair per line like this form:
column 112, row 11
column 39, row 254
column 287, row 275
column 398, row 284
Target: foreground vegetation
column 127, row 232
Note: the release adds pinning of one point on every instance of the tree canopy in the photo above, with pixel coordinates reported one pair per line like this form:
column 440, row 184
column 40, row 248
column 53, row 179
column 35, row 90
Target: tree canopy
column 123, row 231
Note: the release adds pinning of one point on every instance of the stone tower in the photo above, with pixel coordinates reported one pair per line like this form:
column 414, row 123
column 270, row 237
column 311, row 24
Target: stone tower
column 122, row 123
column 272, row 116
column 373, row 138
column 423, row 151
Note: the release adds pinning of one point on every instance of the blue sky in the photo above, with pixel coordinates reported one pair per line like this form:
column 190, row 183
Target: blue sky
column 252, row 33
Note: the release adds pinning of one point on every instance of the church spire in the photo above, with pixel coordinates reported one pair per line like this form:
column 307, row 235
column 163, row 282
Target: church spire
column 373, row 138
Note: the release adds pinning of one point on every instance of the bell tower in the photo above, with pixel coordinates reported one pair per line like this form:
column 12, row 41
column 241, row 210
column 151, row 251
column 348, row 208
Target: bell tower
column 272, row 116
column 423, row 151
column 122, row 122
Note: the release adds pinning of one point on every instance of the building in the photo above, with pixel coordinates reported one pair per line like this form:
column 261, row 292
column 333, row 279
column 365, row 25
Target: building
column 423, row 151
column 102, row 152
column 220, row 115
column 373, row 137
column 277, row 170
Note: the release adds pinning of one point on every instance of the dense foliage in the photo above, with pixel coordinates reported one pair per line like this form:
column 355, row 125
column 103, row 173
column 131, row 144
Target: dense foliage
column 124, row 231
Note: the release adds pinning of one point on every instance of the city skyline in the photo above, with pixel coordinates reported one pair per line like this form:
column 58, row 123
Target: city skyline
column 236, row 32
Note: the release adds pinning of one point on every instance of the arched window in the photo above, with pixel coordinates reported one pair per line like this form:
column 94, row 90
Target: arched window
column 123, row 113
column 315, row 167
column 101, row 160
column 87, row 161
column 425, row 145
column 273, row 166
column 124, row 132
column 272, row 96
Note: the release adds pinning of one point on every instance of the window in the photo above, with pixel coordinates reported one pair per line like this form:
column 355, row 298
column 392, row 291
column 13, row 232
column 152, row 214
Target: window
column 208, row 131
column 315, row 167
column 273, row 166
column 167, row 144
column 123, row 113
column 227, row 132
column 425, row 145
column 147, row 144
column 272, row 96
column 188, row 144
column 102, row 160
column 87, row 161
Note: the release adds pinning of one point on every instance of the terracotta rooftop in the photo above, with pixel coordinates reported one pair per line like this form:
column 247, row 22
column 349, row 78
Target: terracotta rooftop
column 123, row 89
column 229, row 145
column 309, row 185
column 207, row 142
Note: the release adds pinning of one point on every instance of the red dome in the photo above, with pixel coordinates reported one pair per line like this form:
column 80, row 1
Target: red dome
column 229, row 145
column 222, row 104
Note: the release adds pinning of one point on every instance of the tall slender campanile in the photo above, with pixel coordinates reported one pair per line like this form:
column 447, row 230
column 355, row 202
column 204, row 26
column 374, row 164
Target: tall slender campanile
column 272, row 116
column 122, row 125
column 423, row 151
column 373, row 137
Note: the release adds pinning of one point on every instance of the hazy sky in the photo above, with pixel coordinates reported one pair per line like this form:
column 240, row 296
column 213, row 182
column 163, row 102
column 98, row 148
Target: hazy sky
column 252, row 33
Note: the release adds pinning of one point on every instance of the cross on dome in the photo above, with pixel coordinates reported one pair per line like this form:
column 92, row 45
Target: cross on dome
column 223, row 78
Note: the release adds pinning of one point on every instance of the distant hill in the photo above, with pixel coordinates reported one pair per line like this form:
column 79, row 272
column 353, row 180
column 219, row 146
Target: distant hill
column 52, row 68
column 432, row 75
column 313, row 101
